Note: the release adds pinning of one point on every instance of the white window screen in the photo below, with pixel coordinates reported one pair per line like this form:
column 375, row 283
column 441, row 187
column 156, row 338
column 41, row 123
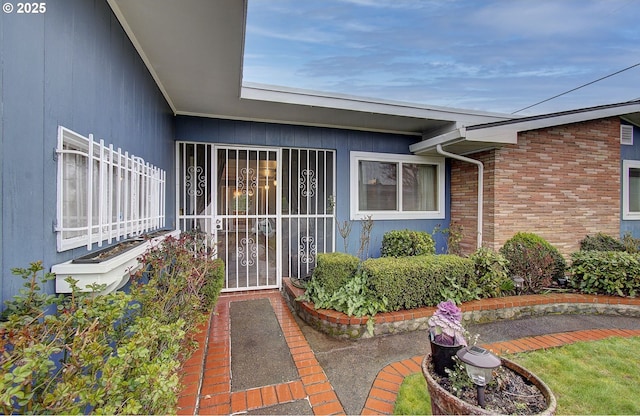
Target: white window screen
column 104, row 194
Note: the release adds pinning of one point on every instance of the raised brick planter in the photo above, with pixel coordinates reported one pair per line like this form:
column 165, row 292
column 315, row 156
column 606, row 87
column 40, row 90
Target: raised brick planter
column 339, row 325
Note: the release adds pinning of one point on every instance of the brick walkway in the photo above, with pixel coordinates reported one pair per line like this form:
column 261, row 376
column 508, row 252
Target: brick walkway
column 207, row 374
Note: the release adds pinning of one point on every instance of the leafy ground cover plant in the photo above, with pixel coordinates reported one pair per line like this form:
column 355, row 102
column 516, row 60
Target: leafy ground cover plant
column 606, row 272
column 354, row 298
column 116, row 353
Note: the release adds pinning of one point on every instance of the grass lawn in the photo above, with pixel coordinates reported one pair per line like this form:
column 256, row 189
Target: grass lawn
column 596, row 377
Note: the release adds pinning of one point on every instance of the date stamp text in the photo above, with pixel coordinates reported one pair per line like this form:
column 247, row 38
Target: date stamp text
column 25, row 8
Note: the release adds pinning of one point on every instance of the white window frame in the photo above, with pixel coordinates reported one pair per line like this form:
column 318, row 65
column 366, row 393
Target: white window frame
column 399, row 214
column 627, row 214
column 138, row 194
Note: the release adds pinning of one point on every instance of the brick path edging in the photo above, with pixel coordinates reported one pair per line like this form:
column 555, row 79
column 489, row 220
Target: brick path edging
column 340, row 325
column 206, row 375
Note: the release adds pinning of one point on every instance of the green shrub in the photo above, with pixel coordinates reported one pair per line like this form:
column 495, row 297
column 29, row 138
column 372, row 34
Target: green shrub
column 534, row 259
column 412, row 282
column 333, row 270
column 407, row 243
column 115, row 353
column 631, row 244
column 492, row 273
column 606, row 272
column 180, row 280
column 601, row 242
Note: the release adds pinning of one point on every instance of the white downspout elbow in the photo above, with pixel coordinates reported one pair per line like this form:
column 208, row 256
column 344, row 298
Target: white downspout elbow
column 480, row 185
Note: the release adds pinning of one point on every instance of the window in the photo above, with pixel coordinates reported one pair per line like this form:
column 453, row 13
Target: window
column 631, row 190
column 388, row 186
column 104, row 194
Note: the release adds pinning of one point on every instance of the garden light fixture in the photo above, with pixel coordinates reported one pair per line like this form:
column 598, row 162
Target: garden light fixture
column 479, row 364
column 518, row 281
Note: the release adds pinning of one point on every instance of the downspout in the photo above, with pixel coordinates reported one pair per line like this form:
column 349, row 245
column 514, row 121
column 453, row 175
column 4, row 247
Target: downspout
column 480, row 185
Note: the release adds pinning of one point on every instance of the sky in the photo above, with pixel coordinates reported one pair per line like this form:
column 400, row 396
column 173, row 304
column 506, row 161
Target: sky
column 498, row 56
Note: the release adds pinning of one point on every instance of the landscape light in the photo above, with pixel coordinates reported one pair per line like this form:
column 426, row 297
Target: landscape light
column 479, row 364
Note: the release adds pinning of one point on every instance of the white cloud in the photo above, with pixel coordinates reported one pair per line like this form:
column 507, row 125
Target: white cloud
column 490, row 55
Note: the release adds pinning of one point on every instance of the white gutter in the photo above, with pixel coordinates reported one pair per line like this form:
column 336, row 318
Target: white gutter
column 480, row 185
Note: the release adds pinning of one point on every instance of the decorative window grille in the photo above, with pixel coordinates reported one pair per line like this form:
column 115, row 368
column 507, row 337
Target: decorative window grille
column 104, row 194
column 626, row 134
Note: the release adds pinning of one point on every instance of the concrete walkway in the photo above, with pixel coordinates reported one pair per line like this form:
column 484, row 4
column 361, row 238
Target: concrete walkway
column 361, row 377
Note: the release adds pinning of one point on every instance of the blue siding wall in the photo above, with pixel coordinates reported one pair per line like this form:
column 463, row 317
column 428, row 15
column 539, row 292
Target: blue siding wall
column 72, row 66
column 342, row 141
column 629, row 153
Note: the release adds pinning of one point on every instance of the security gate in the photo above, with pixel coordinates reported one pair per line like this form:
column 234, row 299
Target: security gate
column 268, row 211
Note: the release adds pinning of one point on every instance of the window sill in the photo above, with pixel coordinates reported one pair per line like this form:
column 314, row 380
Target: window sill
column 113, row 272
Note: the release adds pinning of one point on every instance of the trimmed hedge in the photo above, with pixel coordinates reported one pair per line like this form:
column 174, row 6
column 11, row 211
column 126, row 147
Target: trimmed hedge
column 407, row 243
column 606, row 272
column 333, row 270
column 412, row 282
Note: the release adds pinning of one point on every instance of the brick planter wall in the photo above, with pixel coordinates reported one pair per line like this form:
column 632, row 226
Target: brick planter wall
column 340, row 325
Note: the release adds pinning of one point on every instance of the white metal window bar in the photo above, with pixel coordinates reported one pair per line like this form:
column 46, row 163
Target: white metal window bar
column 104, row 194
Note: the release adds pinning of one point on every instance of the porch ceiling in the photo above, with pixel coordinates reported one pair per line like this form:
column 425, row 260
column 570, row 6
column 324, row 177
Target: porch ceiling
column 194, row 50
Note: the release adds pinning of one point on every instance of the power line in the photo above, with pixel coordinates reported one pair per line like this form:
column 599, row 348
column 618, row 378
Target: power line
column 577, row 88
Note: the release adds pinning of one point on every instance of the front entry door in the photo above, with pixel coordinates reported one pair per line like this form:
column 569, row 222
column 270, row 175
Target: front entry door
column 246, row 220
column 268, row 211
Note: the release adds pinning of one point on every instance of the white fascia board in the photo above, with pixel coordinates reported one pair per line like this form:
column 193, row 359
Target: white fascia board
column 260, row 92
column 483, row 133
column 499, row 135
column 507, row 133
column 443, row 139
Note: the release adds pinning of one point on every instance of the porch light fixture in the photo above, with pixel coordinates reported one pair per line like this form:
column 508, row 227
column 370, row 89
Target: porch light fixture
column 479, row 364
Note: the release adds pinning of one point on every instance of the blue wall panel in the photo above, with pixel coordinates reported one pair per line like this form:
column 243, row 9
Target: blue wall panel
column 198, row 129
column 629, row 153
column 72, row 66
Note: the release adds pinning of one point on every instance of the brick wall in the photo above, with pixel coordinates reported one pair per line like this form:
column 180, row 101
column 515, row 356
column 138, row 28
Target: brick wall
column 561, row 183
column 464, row 199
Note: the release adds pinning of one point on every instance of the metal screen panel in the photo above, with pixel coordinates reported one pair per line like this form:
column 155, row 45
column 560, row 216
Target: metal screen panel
column 308, row 211
column 268, row 211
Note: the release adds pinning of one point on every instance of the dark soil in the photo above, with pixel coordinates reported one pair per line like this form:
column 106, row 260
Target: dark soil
column 507, row 394
column 109, row 252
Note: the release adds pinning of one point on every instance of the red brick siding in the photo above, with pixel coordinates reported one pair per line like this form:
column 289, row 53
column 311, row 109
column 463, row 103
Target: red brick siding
column 561, row 183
